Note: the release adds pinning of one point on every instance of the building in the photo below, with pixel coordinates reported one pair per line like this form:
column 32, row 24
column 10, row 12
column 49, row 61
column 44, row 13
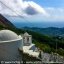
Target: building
column 9, row 43
column 28, row 47
column 27, row 39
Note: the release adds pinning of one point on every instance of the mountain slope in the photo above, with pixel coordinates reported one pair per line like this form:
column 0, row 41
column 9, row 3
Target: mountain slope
column 4, row 23
column 50, row 31
column 45, row 43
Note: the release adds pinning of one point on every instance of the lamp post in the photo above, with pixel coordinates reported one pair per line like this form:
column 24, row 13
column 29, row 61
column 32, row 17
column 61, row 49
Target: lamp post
column 56, row 58
column 55, row 55
column 56, row 45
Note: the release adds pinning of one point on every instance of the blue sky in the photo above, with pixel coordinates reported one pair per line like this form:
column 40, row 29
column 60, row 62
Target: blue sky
column 54, row 8
column 35, row 10
column 50, row 3
column 49, row 12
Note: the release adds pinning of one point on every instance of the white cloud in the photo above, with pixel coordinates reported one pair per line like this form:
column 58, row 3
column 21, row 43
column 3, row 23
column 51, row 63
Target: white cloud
column 21, row 7
column 56, row 14
column 32, row 10
column 37, row 8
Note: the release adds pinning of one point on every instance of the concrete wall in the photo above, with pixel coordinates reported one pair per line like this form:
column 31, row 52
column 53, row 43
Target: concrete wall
column 9, row 51
column 27, row 40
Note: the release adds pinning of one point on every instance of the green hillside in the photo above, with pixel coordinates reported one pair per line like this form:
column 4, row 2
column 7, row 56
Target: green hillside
column 50, row 31
column 44, row 42
column 48, row 43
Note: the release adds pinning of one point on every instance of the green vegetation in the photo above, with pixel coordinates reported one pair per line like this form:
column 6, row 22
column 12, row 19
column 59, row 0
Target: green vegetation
column 61, row 51
column 50, row 31
column 1, row 27
column 48, row 43
column 45, row 43
column 44, row 47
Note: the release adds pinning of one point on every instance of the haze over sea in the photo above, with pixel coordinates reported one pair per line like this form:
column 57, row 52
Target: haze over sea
column 39, row 13
column 18, row 22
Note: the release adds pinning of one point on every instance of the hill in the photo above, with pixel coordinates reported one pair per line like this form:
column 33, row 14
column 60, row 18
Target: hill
column 4, row 23
column 44, row 42
column 50, row 31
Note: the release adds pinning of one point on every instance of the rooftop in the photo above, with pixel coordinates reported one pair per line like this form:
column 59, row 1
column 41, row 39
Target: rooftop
column 7, row 35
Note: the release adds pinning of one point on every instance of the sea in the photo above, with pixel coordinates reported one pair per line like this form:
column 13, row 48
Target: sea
column 24, row 22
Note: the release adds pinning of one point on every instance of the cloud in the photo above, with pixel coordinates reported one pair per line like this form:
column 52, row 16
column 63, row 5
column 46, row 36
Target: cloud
column 56, row 14
column 21, row 7
column 36, row 8
column 31, row 10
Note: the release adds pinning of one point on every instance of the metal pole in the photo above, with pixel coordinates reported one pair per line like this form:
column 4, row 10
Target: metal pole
column 56, row 52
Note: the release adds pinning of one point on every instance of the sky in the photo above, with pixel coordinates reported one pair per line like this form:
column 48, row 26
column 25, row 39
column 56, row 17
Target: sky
column 55, row 8
column 35, row 10
column 50, row 3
